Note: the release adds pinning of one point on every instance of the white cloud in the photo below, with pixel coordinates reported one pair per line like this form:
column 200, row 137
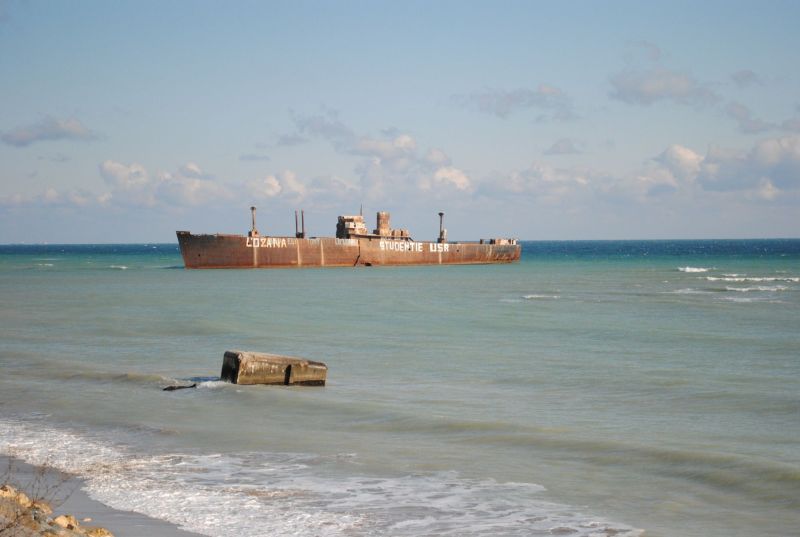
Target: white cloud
column 774, row 162
column 747, row 123
column 266, row 187
column 291, row 185
column 503, row 103
column 190, row 169
column 395, row 167
column 132, row 184
column 766, row 172
column 50, row 197
column 81, row 198
column 645, row 87
column 48, row 129
column 392, row 164
column 178, row 189
column 124, row 176
column 450, row 176
column 544, row 183
column 680, row 161
column 437, row 157
column 564, row 146
column 327, row 126
column 284, row 185
column 766, row 190
column 329, row 190
column 651, row 183
column 403, row 146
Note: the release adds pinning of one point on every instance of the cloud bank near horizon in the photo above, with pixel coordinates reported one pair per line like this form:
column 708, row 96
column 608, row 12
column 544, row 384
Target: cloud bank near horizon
column 395, row 166
column 48, row 129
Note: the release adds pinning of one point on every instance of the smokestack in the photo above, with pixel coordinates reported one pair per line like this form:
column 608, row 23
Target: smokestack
column 303, row 221
column 442, row 230
column 382, row 228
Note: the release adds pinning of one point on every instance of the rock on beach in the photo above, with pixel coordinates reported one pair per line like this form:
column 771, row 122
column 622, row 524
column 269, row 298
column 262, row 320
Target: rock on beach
column 21, row 516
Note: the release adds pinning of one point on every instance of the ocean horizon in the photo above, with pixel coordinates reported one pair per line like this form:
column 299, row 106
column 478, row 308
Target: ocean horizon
column 597, row 387
column 526, row 241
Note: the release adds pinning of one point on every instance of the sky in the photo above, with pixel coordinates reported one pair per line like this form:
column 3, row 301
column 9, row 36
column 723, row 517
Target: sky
column 126, row 121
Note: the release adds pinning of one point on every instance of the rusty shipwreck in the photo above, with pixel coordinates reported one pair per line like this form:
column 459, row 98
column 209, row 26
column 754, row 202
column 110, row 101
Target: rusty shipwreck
column 353, row 245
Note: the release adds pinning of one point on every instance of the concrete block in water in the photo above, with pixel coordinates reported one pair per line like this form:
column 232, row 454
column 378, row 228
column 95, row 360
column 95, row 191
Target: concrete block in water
column 245, row 367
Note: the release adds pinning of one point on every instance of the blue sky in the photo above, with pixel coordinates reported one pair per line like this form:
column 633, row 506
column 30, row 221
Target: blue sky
column 124, row 121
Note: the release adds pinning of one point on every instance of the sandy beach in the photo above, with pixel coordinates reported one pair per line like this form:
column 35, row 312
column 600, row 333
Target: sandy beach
column 66, row 496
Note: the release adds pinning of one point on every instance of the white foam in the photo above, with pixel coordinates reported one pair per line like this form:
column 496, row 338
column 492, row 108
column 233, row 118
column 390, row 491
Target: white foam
column 541, row 297
column 760, row 288
column 255, row 494
column 693, row 269
column 749, row 299
column 119, row 267
column 737, row 299
column 213, row 384
column 689, row 291
column 788, row 279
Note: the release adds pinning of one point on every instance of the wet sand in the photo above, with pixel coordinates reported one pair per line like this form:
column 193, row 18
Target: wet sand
column 66, row 495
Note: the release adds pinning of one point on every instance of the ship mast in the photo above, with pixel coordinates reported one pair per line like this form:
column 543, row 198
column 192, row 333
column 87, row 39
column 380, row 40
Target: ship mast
column 253, row 230
column 297, row 233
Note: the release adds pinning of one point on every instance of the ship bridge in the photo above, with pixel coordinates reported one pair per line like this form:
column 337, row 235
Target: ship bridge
column 352, row 227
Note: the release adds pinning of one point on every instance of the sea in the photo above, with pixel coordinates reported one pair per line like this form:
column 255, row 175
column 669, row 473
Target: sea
column 595, row 388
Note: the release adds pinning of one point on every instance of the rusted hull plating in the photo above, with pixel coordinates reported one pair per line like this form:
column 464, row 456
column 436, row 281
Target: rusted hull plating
column 238, row 251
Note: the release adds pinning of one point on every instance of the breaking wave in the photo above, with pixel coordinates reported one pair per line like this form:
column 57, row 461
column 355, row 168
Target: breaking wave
column 693, row 269
column 689, row 291
column 761, row 288
column 737, row 278
column 286, row 494
column 747, row 300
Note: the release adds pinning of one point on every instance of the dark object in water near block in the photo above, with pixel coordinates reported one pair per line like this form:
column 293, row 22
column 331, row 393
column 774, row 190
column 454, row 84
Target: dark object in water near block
column 245, row 367
column 173, row 388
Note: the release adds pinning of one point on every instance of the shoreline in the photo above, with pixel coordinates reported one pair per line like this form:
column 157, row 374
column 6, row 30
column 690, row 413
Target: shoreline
column 65, row 493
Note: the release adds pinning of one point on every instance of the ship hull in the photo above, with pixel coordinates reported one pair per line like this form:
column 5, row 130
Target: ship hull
column 239, row 251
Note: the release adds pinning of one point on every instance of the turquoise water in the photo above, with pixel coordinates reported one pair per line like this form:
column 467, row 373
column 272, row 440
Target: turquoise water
column 594, row 388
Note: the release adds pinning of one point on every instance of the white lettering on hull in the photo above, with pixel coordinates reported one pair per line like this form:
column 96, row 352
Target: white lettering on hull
column 266, row 242
column 392, row 246
column 410, row 246
column 397, row 246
